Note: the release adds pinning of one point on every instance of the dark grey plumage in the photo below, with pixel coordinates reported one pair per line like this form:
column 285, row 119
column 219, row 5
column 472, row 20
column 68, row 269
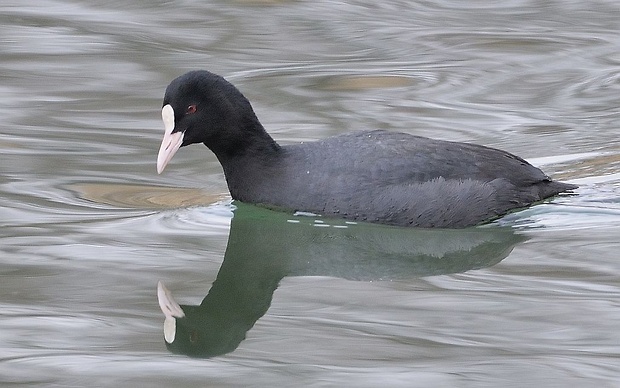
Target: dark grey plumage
column 375, row 176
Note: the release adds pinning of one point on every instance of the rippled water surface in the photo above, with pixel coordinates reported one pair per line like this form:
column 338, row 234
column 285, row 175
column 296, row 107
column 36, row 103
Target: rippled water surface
column 88, row 228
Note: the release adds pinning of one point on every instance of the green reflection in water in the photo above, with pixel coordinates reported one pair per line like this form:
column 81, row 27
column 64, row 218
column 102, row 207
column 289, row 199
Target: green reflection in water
column 264, row 246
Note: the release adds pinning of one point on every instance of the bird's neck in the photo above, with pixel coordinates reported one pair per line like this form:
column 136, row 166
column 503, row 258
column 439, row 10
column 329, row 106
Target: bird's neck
column 250, row 164
column 248, row 145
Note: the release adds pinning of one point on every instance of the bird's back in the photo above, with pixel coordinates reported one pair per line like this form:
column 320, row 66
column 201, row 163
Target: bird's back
column 400, row 179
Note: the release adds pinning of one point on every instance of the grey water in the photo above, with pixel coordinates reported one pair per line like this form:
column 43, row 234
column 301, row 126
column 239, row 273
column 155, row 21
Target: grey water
column 88, row 228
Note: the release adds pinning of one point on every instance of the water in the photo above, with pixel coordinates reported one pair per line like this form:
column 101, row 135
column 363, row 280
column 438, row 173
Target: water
column 88, row 228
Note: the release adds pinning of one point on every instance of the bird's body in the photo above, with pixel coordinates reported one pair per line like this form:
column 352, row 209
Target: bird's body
column 374, row 176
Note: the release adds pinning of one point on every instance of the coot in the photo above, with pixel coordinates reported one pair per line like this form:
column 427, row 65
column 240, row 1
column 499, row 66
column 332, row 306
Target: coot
column 373, row 176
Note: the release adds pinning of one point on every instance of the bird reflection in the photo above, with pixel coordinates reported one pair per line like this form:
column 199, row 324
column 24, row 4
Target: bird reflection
column 264, row 246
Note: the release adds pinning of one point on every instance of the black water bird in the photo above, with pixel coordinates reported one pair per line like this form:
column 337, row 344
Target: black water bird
column 374, row 176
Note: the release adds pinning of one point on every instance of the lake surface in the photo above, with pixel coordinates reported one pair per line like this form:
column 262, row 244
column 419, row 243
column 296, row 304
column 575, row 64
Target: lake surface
column 88, row 228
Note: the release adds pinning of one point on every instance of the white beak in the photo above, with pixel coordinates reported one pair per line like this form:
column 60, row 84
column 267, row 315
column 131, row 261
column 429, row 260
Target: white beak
column 171, row 310
column 171, row 142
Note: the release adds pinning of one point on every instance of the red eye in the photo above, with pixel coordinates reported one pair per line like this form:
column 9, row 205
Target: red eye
column 191, row 109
